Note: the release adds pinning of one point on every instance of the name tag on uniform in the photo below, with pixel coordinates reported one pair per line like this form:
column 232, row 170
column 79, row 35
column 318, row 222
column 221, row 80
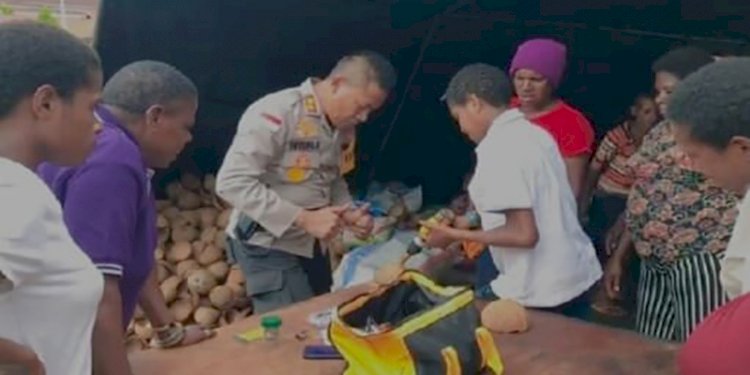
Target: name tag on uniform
column 304, row 145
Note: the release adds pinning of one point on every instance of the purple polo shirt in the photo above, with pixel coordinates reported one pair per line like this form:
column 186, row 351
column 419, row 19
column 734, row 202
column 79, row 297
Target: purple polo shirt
column 109, row 208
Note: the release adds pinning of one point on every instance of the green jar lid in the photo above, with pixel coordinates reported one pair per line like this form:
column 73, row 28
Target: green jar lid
column 271, row 321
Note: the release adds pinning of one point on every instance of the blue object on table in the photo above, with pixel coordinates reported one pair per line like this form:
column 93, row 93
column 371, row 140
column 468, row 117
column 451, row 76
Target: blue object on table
column 321, row 352
column 375, row 209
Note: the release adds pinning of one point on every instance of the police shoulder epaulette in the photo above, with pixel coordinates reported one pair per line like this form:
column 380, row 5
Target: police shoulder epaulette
column 310, row 104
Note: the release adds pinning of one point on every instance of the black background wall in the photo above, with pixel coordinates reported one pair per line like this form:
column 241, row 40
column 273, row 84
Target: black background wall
column 237, row 51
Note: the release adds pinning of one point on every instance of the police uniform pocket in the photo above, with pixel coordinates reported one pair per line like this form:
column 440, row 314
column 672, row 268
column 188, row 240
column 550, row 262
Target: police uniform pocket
column 301, row 160
column 259, row 282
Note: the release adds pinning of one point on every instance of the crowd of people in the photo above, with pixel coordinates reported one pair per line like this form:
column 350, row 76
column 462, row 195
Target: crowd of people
column 560, row 216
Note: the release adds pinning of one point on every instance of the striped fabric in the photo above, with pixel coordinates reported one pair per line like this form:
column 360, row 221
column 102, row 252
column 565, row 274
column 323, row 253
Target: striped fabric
column 611, row 158
column 674, row 299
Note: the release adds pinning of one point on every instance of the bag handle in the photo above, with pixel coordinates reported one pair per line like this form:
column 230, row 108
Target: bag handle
column 450, row 359
column 490, row 354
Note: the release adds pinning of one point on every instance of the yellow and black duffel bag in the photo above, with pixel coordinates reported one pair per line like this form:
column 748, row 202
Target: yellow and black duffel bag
column 414, row 327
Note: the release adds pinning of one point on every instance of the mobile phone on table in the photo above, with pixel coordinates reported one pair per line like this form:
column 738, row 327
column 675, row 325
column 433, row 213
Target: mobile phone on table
column 321, row 352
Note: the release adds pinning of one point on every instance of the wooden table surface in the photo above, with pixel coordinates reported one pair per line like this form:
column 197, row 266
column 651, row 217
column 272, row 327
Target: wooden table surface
column 554, row 345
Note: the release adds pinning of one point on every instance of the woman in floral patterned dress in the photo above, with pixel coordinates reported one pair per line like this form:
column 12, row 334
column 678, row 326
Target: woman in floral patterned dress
column 678, row 222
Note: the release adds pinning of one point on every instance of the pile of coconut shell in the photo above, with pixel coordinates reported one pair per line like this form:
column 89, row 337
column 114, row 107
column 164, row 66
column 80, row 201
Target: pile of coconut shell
column 195, row 279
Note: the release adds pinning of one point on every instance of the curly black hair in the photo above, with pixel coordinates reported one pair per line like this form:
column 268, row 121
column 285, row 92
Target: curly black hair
column 487, row 82
column 714, row 102
column 33, row 55
column 141, row 84
column 682, row 61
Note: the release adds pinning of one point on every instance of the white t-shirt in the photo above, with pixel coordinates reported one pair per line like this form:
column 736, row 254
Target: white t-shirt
column 50, row 289
column 519, row 167
column 735, row 267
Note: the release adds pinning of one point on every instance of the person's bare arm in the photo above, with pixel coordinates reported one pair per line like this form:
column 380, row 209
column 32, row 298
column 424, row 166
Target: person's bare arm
column 576, row 168
column 110, row 356
column 14, row 355
column 616, row 265
column 519, row 231
column 152, row 303
column 589, row 185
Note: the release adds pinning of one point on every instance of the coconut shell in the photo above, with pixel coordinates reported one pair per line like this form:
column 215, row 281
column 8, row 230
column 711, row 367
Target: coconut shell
column 209, row 235
column 388, row 274
column 221, row 297
column 207, row 200
column 162, row 222
column 201, row 282
column 238, row 290
column 235, row 276
column 171, row 213
column 223, row 220
column 163, row 236
column 209, row 255
column 143, row 330
column 185, row 267
column 191, row 218
column 187, row 200
column 185, row 233
column 220, row 270
column 159, row 253
column 208, row 216
column 505, row 316
column 161, row 205
column 162, row 272
column 174, row 190
column 169, row 288
column 181, row 309
column 197, row 247
column 206, row 316
column 179, row 251
column 190, row 182
column 204, row 302
column 209, row 183
column 219, row 203
column 220, row 240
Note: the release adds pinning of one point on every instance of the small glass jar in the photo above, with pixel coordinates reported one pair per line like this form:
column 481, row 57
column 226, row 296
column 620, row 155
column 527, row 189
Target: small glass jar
column 271, row 326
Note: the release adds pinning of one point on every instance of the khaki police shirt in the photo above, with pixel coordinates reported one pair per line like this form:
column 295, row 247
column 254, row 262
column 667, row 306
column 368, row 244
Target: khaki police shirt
column 285, row 157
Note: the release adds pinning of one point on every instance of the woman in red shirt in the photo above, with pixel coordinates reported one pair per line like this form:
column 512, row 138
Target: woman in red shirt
column 537, row 69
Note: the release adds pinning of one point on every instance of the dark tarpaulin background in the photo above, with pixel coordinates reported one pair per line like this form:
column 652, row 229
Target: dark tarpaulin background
column 237, row 50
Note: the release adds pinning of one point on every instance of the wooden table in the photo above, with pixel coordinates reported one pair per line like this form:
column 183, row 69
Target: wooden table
column 555, row 345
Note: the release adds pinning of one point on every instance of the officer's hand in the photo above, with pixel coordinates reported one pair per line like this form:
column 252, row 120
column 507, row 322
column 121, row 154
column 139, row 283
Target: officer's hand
column 359, row 221
column 322, row 224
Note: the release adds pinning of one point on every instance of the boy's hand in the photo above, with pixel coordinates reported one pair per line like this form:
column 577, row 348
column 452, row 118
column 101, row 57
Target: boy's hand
column 440, row 235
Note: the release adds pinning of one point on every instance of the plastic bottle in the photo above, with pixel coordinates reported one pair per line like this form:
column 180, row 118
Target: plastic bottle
column 444, row 216
column 271, row 326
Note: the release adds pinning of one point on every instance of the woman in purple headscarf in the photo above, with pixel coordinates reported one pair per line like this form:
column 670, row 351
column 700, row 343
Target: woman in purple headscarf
column 537, row 70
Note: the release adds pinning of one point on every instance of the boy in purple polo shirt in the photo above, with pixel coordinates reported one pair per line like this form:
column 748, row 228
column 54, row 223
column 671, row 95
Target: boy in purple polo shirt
column 146, row 114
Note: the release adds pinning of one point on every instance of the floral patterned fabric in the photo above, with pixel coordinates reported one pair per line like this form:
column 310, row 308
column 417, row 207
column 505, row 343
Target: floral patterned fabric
column 674, row 211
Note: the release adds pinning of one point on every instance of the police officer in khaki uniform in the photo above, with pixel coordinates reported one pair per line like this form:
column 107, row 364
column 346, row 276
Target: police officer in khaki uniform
column 282, row 175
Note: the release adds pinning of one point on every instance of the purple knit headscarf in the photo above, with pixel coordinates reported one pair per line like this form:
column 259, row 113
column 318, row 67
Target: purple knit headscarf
column 544, row 56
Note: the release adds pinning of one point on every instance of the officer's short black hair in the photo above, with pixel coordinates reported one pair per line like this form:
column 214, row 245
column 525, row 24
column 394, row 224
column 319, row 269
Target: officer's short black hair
column 682, row 61
column 34, row 54
column 379, row 69
column 714, row 102
column 140, row 85
column 485, row 81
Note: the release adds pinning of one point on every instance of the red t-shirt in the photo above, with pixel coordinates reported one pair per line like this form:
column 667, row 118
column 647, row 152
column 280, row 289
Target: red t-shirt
column 720, row 345
column 569, row 127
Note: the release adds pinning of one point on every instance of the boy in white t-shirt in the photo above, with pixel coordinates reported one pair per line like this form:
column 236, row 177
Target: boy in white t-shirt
column 49, row 289
column 522, row 194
